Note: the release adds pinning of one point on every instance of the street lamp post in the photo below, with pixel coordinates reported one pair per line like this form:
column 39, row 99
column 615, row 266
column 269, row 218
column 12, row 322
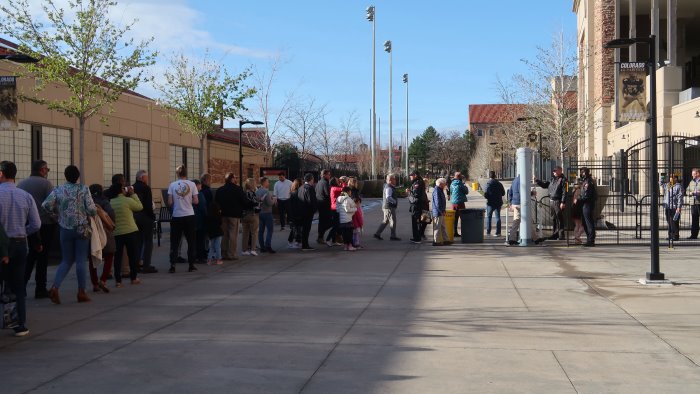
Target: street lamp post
column 240, row 145
column 387, row 48
column 655, row 274
column 373, row 149
column 405, row 80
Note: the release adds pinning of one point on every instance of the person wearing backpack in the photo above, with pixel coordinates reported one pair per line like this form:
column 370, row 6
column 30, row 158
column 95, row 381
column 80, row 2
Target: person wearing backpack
column 458, row 197
column 346, row 208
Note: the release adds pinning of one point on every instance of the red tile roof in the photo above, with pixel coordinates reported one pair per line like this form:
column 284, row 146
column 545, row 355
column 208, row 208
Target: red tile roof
column 495, row 113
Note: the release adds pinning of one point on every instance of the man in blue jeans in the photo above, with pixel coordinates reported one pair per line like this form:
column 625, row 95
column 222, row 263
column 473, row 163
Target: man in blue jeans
column 20, row 219
column 494, row 201
column 266, row 221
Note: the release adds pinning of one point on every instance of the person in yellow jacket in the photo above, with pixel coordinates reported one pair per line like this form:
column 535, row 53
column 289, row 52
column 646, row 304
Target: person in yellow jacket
column 126, row 233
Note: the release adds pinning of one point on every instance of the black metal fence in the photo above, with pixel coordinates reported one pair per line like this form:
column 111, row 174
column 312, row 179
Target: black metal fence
column 624, row 203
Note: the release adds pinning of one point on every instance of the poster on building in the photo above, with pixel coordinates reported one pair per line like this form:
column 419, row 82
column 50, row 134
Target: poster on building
column 8, row 103
column 632, row 92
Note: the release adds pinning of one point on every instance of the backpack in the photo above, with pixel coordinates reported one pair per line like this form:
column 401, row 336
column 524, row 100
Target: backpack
column 253, row 203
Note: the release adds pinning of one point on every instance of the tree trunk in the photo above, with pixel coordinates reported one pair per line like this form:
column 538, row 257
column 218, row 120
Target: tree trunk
column 81, row 147
column 201, row 157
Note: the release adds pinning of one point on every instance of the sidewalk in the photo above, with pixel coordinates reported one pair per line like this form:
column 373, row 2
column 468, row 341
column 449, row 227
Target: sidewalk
column 393, row 317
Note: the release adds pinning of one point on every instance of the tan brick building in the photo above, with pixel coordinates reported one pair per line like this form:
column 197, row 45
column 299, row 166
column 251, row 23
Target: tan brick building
column 676, row 24
column 138, row 135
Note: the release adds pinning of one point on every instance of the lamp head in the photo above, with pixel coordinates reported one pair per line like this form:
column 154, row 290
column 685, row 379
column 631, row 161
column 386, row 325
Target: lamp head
column 620, row 43
column 370, row 13
column 387, row 46
column 405, row 78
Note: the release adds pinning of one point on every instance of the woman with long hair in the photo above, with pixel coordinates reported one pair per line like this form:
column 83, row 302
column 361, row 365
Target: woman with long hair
column 250, row 219
column 73, row 205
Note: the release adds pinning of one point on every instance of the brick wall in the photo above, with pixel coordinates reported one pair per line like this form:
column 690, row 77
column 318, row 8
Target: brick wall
column 604, row 30
column 219, row 167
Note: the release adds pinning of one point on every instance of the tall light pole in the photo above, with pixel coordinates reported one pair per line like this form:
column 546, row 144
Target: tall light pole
column 653, row 180
column 387, row 48
column 405, row 80
column 240, row 145
column 373, row 143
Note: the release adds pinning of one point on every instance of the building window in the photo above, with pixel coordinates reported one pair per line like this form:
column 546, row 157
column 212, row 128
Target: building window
column 490, row 132
column 479, row 133
column 123, row 156
column 187, row 156
column 35, row 142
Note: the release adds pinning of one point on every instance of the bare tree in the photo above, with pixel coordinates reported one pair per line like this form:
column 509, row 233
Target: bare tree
column 272, row 116
column 327, row 142
column 481, row 160
column 350, row 138
column 301, row 124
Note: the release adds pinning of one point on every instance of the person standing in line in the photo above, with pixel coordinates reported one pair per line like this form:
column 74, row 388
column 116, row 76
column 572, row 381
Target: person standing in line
column 231, row 199
column 331, row 239
column 588, row 198
column 266, row 220
column 250, row 220
column 557, row 197
column 346, row 209
column 100, row 283
column 40, row 187
column 73, row 204
column 514, row 203
column 282, row 192
column 205, row 179
column 323, row 200
column 308, row 205
column 694, row 192
column 458, row 197
column 214, row 233
column 418, row 200
column 294, row 216
column 126, row 233
column 494, row 201
column 182, row 196
column 389, row 205
column 19, row 217
column 144, row 221
column 200, row 214
column 577, row 214
column 439, row 207
column 673, row 203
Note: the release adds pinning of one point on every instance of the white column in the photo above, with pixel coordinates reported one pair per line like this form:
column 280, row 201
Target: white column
column 633, row 29
column 655, row 27
column 525, row 172
column 672, row 32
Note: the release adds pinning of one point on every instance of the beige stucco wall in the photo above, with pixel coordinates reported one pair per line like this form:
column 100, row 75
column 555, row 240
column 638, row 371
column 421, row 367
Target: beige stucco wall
column 135, row 118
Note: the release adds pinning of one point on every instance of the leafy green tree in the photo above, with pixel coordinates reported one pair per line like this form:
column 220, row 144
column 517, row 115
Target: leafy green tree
column 421, row 146
column 82, row 50
column 200, row 94
column 287, row 156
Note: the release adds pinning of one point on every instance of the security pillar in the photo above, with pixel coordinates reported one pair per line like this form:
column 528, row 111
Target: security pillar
column 524, row 157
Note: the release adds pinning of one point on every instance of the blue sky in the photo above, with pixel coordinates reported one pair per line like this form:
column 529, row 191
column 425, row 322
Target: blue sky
column 453, row 50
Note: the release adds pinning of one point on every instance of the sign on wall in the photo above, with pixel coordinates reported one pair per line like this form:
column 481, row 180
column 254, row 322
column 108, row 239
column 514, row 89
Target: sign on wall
column 8, row 103
column 632, row 92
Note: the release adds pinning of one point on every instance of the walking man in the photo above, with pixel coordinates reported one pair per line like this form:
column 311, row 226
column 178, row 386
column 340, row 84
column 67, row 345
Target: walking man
column 439, row 208
column 231, row 200
column 389, row 204
column 694, row 192
column 323, row 200
column 20, row 219
column 588, row 197
column 144, row 220
column 39, row 187
column 458, row 197
column 308, row 204
column 494, row 201
column 182, row 195
column 557, row 197
column 282, row 192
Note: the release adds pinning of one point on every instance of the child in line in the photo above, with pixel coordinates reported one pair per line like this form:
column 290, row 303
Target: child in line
column 346, row 209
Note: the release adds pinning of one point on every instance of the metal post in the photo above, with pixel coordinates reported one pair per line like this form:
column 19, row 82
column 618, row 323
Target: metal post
column 240, row 152
column 525, row 171
column 406, row 80
column 655, row 273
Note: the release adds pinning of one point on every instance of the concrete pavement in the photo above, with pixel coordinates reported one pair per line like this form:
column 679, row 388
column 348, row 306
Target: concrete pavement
column 393, row 317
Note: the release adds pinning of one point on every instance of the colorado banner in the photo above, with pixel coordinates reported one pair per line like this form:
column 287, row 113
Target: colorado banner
column 8, row 103
column 632, row 92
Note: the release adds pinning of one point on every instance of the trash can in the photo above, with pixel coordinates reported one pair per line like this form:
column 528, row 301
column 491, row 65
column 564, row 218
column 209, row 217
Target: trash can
column 472, row 225
column 450, row 223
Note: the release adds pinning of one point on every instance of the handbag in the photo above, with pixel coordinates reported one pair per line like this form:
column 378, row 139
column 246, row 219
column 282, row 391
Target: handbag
column 425, row 217
column 8, row 306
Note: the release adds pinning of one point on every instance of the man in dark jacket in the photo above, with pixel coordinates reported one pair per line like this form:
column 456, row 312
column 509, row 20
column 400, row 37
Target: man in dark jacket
column 231, row 201
column 144, row 220
column 418, row 201
column 308, row 204
column 588, row 198
column 557, row 197
column 494, row 201
column 323, row 201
